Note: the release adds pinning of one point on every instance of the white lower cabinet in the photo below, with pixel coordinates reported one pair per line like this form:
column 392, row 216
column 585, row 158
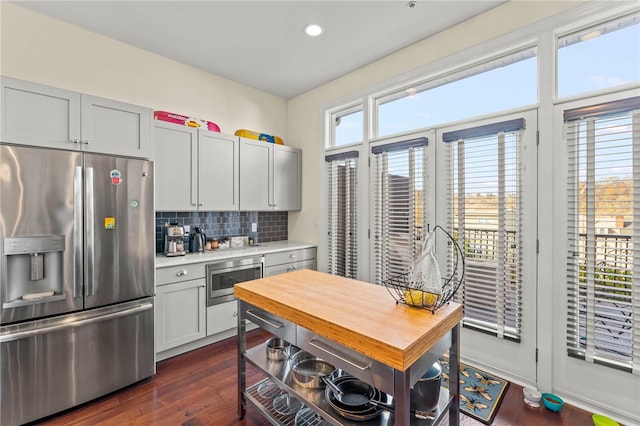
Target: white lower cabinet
column 183, row 320
column 287, row 261
column 222, row 317
column 270, row 271
column 180, row 309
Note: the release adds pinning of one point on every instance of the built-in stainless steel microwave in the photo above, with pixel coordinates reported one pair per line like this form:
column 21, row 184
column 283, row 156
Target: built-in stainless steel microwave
column 223, row 275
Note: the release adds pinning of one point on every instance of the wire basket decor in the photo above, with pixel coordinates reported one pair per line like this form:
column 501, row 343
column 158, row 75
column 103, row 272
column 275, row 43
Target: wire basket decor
column 423, row 286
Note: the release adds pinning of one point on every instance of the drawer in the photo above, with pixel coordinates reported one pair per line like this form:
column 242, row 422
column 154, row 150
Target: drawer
column 279, row 258
column 374, row 372
column 175, row 274
column 270, row 322
column 361, row 366
column 222, row 317
column 270, row 271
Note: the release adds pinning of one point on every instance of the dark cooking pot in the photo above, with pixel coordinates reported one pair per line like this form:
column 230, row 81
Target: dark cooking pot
column 308, row 370
column 426, row 392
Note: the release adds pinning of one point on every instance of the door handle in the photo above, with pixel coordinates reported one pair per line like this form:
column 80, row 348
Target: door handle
column 273, row 324
column 326, row 348
column 90, row 226
column 77, row 232
column 36, row 332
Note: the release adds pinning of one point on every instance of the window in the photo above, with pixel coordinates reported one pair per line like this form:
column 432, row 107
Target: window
column 342, row 172
column 600, row 57
column 603, row 269
column 484, row 210
column 504, row 83
column 347, row 126
column 399, row 205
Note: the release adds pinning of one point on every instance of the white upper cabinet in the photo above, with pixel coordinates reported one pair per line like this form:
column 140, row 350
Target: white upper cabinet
column 33, row 114
column 255, row 175
column 176, row 167
column 287, row 178
column 39, row 115
column 218, row 175
column 270, row 176
column 111, row 127
column 195, row 169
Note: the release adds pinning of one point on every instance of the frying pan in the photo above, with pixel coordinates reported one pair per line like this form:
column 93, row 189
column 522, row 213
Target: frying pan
column 361, row 412
column 351, row 392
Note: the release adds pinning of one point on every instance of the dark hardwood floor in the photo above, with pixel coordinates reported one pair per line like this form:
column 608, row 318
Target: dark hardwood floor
column 199, row 388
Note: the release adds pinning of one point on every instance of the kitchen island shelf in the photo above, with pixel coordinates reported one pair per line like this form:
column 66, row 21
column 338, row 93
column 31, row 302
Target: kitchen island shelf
column 279, row 373
column 295, row 304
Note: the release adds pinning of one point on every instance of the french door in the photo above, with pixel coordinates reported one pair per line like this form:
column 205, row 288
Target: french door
column 487, row 199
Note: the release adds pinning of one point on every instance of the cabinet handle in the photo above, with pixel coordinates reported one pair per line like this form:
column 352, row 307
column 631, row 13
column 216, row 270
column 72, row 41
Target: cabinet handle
column 318, row 344
column 75, row 140
column 194, row 205
column 272, row 324
column 292, row 256
column 235, row 314
column 182, row 272
column 200, row 204
column 86, row 142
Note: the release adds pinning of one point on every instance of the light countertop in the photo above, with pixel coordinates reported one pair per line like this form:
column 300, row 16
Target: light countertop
column 163, row 261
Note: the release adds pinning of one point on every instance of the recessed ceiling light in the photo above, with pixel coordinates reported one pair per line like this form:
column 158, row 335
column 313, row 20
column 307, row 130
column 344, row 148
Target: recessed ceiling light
column 313, row 30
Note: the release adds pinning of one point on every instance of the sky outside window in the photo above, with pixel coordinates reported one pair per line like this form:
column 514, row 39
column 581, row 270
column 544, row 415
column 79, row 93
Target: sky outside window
column 589, row 64
column 498, row 89
column 348, row 128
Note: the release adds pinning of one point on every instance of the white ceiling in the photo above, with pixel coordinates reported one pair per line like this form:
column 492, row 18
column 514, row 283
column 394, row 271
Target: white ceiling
column 262, row 43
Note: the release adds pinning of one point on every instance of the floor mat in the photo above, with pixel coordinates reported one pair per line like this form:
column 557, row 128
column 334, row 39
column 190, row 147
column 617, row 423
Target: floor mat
column 480, row 392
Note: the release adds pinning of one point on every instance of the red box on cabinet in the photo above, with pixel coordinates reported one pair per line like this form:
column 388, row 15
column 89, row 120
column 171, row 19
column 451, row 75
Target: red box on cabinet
column 185, row 120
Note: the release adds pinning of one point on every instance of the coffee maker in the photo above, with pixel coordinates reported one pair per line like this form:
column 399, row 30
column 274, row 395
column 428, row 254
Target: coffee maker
column 174, row 240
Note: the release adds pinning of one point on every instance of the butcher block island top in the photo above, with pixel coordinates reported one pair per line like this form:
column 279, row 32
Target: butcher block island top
column 359, row 315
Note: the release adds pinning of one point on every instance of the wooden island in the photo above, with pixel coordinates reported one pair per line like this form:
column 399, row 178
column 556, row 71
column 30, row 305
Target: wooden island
column 356, row 326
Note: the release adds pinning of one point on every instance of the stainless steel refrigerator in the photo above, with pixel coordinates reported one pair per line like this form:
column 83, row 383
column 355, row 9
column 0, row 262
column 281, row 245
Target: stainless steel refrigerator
column 77, row 249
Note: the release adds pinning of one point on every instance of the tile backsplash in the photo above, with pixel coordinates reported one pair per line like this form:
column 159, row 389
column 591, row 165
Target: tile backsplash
column 272, row 226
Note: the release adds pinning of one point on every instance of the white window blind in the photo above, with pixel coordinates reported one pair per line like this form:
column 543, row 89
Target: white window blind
column 342, row 172
column 603, row 269
column 399, row 210
column 484, row 212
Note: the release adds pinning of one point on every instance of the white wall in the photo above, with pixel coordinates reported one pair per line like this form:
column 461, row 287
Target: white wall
column 47, row 51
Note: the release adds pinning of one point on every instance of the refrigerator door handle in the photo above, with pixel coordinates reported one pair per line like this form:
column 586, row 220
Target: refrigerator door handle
column 77, row 232
column 44, row 330
column 90, row 226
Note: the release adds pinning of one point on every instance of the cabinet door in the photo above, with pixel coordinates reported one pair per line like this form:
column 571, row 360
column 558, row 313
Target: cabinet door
column 38, row 115
column 222, row 317
column 255, row 175
column 287, row 176
column 180, row 314
column 117, row 128
column 176, row 155
column 218, row 175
